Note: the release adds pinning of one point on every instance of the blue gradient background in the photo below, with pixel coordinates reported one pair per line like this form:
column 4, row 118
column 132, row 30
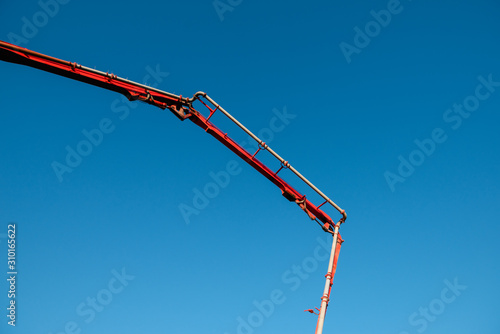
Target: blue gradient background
column 120, row 207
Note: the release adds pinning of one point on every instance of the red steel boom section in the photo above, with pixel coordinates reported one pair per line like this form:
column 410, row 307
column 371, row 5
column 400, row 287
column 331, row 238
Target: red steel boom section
column 183, row 109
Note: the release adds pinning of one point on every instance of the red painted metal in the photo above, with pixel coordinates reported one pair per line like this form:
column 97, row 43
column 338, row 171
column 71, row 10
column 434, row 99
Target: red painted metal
column 180, row 106
column 132, row 90
column 325, row 299
column 183, row 108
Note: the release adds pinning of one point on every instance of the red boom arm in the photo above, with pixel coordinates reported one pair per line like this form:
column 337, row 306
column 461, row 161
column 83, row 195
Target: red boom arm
column 183, row 109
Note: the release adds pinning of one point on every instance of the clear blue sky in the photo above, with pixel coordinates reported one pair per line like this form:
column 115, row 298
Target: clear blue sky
column 391, row 108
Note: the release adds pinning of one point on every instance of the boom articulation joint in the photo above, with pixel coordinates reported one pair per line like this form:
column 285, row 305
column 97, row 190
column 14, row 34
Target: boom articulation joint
column 183, row 109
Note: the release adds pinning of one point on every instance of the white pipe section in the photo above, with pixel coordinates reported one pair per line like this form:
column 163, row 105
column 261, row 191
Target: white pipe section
column 264, row 145
column 178, row 97
column 324, row 299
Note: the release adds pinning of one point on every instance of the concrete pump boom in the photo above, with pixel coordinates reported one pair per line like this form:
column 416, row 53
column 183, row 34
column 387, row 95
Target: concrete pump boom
column 182, row 107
